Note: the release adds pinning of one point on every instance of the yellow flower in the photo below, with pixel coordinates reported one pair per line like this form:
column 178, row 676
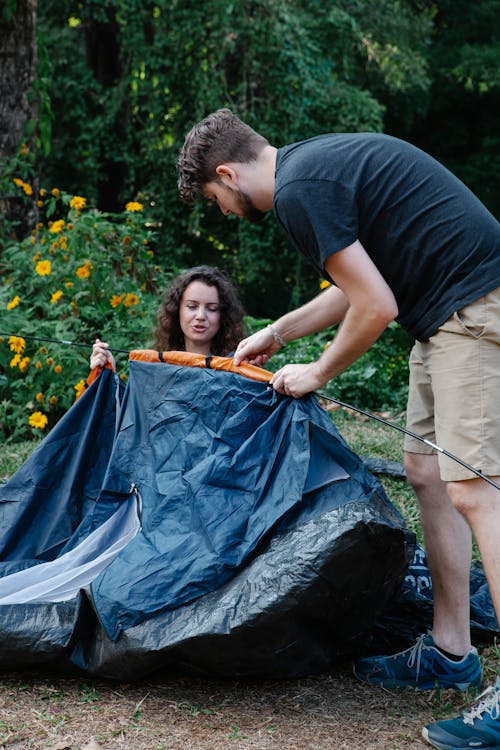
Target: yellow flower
column 17, row 344
column 57, row 226
column 43, row 268
column 23, row 364
column 116, row 299
column 15, row 360
column 55, row 192
column 40, row 397
column 50, row 361
column 36, row 257
column 79, row 387
column 56, row 296
column 68, row 284
column 13, row 303
column 42, row 192
column 24, row 149
column 24, row 185
column 130, row 299
column 324, row 284
column 123, row 376
column 58, row 369
column 133, row 206
column 77, row 202
column 83, row 272
column 38, row 365
column 44, row 350
column 32, row 240
column 38, row 420
column 52, row 400
column 126, row 240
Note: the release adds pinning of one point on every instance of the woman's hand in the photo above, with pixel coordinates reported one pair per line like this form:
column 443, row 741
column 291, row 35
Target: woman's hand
column 101, row 356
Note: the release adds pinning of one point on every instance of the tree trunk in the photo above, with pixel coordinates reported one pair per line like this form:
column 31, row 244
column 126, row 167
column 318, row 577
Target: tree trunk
column 18, row 56
column 103, row 58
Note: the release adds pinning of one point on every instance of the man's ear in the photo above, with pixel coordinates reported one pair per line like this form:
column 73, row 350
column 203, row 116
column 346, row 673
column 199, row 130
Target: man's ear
column 227, row 174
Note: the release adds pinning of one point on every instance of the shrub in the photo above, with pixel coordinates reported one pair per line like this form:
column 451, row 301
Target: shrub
column 80, row 274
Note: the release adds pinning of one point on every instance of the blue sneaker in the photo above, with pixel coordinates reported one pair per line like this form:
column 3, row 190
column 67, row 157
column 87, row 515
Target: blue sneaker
column 477, row 729
column 421, row 666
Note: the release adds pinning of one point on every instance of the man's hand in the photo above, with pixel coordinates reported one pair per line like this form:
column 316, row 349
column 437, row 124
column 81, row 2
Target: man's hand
column 256, row 349
column 297, row 380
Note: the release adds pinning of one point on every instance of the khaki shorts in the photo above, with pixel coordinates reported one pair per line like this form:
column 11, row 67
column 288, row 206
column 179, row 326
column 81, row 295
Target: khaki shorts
column 454, row 394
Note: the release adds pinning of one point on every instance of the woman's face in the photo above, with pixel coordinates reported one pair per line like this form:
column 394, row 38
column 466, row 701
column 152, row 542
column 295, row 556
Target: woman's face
column 199, row 316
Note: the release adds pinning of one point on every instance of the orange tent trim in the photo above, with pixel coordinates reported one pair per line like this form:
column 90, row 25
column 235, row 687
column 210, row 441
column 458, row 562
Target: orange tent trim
column 189, row 359
column 199, row 360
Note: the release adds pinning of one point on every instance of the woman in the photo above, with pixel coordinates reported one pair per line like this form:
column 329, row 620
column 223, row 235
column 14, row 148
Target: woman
column 200, row 312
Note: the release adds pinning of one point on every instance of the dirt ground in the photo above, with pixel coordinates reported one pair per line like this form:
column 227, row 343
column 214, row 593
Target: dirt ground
column 326, row 712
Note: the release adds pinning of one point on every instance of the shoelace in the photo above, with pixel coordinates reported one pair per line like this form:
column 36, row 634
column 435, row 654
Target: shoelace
column 415, row 654
column 490, row 705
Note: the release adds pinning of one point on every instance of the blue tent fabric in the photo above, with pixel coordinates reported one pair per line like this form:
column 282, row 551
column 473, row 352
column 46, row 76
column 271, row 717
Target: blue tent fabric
column 42, row 505
column 264, row 546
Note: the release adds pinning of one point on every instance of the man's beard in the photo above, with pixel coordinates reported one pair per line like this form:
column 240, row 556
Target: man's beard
column 248, row 209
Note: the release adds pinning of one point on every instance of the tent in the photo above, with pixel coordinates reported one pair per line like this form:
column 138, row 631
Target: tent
column 197, row 520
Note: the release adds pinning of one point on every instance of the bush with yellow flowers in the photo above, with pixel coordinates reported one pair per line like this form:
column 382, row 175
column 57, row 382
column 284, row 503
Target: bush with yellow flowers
column 80, row 274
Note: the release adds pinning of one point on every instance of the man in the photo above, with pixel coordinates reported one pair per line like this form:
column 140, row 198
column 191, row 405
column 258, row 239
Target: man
column 400, row 238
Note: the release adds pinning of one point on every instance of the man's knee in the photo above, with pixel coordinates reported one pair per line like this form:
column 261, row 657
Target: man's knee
column 471, row 496
column 420, row 469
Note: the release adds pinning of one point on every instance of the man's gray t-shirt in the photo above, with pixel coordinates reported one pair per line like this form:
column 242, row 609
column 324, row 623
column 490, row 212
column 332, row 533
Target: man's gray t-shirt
column 431, row 238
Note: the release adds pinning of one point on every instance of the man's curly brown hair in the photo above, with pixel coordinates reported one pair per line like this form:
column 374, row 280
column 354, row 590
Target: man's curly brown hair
column 219, row 138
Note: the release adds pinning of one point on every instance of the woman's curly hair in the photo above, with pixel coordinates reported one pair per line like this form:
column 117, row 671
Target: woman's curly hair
column 168, row 335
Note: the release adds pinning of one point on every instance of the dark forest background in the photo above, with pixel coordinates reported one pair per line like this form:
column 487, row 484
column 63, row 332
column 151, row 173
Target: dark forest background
column 102, row 93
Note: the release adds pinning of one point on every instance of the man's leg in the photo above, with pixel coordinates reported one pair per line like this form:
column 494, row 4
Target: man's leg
column 448, row 547
column 479, row 503
column 479, row 727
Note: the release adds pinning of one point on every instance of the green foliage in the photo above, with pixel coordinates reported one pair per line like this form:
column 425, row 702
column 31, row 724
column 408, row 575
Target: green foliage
column 459, row 124
column 8, row 10
column 128, row 79
column 81, row 273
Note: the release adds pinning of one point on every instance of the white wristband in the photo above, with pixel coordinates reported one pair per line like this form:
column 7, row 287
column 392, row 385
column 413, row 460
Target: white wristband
column 276, row 336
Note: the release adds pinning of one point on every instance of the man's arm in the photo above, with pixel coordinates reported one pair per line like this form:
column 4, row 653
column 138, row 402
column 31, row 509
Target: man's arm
column 371, row 307
column 324, row 310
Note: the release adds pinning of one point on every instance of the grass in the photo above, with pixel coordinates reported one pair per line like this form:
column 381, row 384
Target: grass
column 369, row 438
column 12, row 455
column 177, row 712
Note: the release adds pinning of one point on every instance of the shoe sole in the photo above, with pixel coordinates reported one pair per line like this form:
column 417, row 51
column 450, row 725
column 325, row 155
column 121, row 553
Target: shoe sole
column 425, row 735
column 400, row 684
